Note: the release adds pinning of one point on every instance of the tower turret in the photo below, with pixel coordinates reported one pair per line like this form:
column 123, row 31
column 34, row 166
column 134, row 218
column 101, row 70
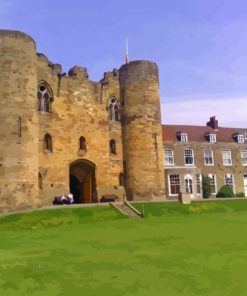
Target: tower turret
column 142, row 138
column 18, row 121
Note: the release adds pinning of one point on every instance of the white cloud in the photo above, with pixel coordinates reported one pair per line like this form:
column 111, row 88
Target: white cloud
column 230, row 112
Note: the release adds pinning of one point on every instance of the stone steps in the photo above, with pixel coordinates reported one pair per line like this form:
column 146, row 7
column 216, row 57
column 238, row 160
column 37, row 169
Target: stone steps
column 127, row 210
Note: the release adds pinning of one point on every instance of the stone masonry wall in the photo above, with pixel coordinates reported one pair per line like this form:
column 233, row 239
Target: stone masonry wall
column 142, row 140
column 30, row 175
column 79, row 109
column 18, row 122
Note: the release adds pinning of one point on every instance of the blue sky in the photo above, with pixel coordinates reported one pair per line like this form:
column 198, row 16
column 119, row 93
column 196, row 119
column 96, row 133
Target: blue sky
column 200, row 47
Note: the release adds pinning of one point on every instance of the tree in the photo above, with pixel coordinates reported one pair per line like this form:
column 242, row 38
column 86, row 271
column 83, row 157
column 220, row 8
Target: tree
column 206, row 187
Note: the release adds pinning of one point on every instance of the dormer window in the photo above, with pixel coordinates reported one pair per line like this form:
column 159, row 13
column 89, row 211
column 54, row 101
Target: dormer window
column 182, row 137
column 212, row 138
column 239, row 138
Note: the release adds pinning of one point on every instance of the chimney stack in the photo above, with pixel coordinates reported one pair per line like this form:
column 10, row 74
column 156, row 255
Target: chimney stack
column 213, row 123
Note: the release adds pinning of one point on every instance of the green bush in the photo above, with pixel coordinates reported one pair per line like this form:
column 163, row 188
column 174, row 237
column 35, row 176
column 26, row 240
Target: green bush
column 240, row 194
column 206, row 188
column 225, row 191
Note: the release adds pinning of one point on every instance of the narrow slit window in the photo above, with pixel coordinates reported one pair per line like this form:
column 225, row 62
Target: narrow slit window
column 113, row 146
column 48, row 142
column 82, row 143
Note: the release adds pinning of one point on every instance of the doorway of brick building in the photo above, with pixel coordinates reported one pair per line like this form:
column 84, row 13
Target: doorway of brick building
column 188, row 184
column 82, row 181
column 245, row 185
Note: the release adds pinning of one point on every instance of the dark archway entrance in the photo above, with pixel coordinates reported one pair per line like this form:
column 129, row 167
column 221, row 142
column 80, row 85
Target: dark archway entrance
column 82, row 181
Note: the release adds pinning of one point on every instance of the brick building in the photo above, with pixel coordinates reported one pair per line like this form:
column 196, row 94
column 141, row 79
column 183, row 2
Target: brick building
column 64, row 133
column 192, row 151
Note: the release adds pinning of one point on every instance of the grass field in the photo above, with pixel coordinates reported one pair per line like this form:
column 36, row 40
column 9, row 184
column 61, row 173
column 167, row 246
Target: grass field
column 198, row 249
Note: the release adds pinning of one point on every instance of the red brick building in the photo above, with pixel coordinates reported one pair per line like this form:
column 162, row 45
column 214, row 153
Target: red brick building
column 192, row 151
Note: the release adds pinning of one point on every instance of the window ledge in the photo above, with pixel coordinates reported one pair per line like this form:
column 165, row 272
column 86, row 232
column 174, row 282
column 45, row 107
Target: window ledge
column 46, row 113
column 46, row 151
column 81, row 152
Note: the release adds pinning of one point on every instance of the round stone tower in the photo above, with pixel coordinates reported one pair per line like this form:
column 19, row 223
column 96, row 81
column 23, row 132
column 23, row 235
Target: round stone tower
column 18, row 121
column 142, row 136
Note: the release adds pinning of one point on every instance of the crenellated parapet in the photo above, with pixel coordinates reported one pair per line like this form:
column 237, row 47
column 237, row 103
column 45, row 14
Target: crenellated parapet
column 51, row 120
column 78, row 73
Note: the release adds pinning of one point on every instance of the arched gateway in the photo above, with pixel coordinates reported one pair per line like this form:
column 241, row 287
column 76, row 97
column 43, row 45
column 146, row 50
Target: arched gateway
column 82, row 181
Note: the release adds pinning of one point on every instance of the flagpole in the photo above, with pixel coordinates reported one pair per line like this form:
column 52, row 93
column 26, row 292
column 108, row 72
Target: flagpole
column 127, row 51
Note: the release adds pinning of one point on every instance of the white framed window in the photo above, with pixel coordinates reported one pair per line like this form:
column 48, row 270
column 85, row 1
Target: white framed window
column 213, row 185
column 188, row 157
column 240, row 139
column 174, row 184
column 208, row 157
column 226, row 157
column 169, row 157
column 183, row 137
column 244, row 156
column 229, row 181
column 199, row 183
column 212, row 138
column 188, row 184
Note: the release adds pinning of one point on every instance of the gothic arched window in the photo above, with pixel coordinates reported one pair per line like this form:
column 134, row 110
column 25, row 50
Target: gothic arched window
column 44, row 98
column 82, row 143
column 113, row 109
column 48, row 142
column 113, row 146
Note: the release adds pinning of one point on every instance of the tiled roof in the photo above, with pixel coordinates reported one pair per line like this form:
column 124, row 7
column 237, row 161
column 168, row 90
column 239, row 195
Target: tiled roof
column 197, row 133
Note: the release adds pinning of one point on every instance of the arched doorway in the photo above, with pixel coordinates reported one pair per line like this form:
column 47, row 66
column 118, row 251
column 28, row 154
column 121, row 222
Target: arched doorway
column 188, row 184
column 82, row 181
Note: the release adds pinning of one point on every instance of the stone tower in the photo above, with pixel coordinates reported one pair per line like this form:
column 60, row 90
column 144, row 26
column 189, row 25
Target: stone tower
column 142, row 136
column 18, row 122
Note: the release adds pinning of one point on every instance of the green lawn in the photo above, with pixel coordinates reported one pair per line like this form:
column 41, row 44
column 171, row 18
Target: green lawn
column 198, row 249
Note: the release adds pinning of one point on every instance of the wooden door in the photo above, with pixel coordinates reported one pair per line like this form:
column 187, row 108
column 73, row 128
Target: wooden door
column 87, row 189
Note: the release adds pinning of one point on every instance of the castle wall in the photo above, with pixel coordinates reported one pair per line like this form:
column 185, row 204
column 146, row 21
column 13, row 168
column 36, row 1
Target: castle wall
column 142, row 140
column 18, row 121
column 31, row 175
column 78, row 109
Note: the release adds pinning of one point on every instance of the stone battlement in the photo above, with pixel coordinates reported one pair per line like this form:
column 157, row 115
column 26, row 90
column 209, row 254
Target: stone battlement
column 64, row 133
